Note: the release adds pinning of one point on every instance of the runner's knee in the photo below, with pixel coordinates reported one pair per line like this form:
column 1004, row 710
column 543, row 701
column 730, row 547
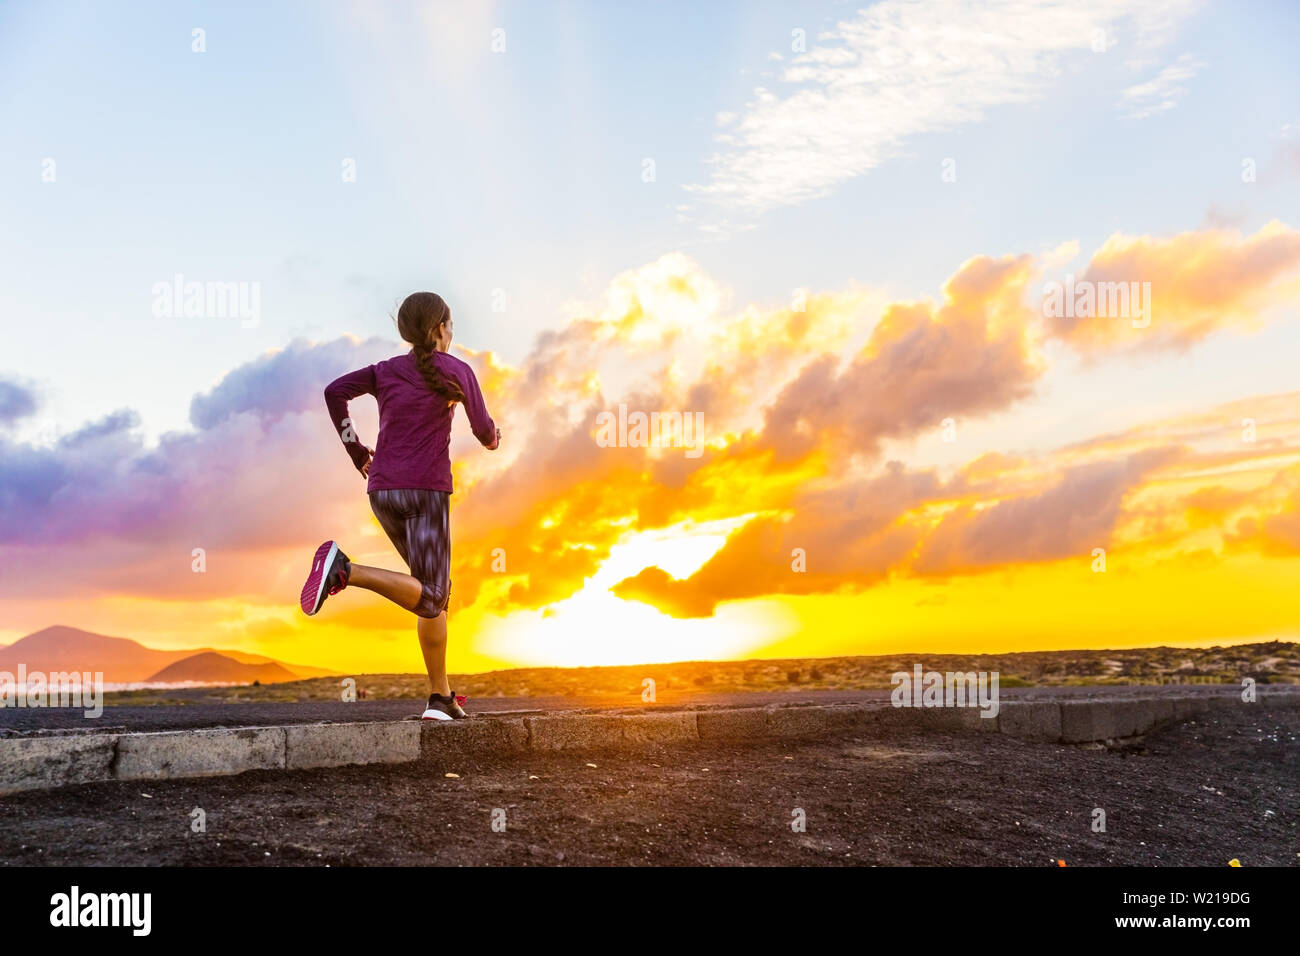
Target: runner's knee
column 433, row 601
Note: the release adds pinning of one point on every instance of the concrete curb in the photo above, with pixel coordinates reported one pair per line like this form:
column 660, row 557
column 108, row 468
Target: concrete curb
column 46, row 762
column 198, row 753
column 338, row 745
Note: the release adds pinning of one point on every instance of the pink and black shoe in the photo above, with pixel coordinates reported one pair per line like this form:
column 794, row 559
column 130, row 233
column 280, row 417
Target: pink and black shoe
column 445, row 708
column 329, row 575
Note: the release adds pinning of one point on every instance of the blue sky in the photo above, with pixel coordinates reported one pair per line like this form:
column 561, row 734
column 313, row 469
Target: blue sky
column 522, row 170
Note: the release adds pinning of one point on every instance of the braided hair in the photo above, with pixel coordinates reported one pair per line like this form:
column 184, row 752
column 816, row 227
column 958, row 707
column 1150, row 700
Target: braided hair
column 418, row 320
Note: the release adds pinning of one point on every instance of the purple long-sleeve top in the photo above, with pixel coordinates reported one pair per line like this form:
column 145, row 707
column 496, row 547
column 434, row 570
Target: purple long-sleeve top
column 414, row 423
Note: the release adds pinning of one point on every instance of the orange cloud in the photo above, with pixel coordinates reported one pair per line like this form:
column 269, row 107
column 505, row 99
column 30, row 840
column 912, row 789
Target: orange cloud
column 1198, row 283
column 1000, row 512
column 1275, row 527
column 971, row 354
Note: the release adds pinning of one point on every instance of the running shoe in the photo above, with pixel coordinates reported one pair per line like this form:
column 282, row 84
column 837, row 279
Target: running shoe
column 444, row 708
column 329, row 575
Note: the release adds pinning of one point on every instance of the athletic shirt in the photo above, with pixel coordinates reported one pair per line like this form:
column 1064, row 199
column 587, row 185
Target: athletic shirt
column 414, row 423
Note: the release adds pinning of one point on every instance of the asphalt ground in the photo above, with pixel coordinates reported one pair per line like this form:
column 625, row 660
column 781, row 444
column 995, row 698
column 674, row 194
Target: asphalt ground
column 200, row 712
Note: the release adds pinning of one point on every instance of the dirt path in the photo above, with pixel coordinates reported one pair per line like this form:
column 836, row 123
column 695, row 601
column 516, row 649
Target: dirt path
column 1224, row 786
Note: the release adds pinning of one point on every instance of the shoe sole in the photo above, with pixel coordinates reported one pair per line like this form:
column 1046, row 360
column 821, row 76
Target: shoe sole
column 314, row 591
column 435, row 715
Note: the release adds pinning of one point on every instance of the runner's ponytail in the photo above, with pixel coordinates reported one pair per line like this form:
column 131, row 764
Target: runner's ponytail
column 418, row 320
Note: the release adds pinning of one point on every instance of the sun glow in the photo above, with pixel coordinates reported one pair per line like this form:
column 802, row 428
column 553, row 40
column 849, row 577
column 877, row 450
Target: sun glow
column 595, row 627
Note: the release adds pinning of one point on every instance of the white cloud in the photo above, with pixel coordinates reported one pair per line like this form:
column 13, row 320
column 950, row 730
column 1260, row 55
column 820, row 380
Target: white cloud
column 1061, row 256
column 899, row 69
column 1161, row 92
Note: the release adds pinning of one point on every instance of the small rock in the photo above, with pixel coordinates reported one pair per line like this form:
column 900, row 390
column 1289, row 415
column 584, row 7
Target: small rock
column 453, row 776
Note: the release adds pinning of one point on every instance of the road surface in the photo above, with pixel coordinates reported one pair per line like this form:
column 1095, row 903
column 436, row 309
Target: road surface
column 204, row 713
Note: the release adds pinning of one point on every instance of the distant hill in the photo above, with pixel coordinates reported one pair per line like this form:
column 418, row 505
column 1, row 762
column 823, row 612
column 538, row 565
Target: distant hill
column 210, row 667
column 71, row 649
column 124, row 661
column 300, row 670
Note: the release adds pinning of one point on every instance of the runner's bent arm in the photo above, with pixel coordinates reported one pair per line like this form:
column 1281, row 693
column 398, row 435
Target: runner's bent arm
column 337, row 395
column 479, row 420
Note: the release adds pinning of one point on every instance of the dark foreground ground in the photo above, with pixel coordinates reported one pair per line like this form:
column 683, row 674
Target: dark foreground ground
column 1224, row 786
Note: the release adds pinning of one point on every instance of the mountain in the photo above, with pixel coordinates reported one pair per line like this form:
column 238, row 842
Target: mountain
column 210, row 667
column 123, row 661
column 57, row 649
column 299, row 670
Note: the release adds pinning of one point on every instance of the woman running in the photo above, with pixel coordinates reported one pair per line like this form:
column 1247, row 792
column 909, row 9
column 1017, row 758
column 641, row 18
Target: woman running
column 409, row 479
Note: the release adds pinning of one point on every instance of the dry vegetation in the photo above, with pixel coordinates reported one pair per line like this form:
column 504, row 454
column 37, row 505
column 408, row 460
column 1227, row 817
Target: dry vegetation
column 1274, row 662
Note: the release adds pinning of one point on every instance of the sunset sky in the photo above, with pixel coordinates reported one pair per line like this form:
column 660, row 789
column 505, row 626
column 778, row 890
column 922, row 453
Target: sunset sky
column 826, row 228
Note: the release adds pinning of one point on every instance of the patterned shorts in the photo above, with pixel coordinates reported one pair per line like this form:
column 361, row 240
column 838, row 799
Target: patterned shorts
column 416, row 521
